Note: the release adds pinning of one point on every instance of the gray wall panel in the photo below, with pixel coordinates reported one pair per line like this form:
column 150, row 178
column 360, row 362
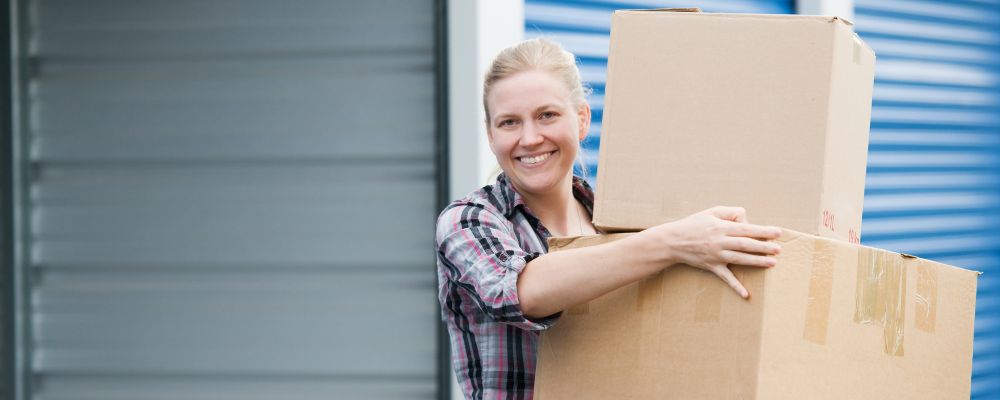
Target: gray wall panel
column 233, row 199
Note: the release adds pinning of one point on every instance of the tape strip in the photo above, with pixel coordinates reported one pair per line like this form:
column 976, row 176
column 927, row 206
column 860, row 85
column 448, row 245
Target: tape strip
column 893, row 295
column 557, row 243
column 880, row 296
column 581, row 309
column 650, row 310
column 820, row 293
column 623, row 352
column 926, row 296
column 866, row 294
column 650, row 290
column 708, row 300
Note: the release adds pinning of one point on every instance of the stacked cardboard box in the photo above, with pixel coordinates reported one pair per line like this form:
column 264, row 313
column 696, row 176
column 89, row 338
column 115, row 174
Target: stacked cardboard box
column 771, row 113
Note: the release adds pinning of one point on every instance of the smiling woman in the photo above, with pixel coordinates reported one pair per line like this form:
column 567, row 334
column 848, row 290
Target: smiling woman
column 497, row 286
column 535, row 128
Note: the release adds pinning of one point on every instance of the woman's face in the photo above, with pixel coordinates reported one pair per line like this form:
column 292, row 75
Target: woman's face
column 535, row 131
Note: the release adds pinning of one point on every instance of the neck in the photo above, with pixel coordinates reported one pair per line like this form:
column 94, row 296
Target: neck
column 559, row 211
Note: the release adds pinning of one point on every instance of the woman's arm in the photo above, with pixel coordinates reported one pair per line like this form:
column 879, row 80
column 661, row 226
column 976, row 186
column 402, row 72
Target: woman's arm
column 709, row 240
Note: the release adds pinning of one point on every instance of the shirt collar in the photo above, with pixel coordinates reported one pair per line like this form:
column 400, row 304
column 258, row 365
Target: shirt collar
column 511, row 200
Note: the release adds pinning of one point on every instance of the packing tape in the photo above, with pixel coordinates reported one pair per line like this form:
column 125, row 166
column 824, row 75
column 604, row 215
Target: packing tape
column 650, row 290
column 557, row 243
column 880, row 297
column 581, row 309
column 649, row 309
column 623, row 352
column 820, row 293
column 708, row 299
column 926, row 297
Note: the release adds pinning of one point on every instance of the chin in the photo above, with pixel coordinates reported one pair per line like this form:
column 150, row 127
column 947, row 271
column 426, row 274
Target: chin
column 536, row 184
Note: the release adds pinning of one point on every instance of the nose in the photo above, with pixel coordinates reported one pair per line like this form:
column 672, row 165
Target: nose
column 530, row 135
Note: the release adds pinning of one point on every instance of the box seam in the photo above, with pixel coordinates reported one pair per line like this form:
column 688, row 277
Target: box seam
column 602, row 156
column 827, row 126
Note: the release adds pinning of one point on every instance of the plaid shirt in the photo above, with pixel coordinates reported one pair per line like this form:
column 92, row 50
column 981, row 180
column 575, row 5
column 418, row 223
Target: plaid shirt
column 484, row 241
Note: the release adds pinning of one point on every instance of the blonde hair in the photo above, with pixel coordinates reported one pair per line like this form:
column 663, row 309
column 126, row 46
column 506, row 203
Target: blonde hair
column 539, row 54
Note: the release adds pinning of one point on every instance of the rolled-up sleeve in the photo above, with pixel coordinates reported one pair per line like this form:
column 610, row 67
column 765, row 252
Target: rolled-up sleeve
column 479, row 253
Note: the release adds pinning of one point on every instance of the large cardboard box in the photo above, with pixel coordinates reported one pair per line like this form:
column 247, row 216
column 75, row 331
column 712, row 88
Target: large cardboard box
column 832, row 320
column 767, row 112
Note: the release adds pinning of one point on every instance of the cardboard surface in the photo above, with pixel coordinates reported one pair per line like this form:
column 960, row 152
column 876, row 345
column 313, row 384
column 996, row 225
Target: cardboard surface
column 832, row 320
column 767, row 112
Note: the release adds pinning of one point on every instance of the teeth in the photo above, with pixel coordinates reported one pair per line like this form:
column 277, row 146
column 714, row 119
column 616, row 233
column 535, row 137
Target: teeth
column 536, row 159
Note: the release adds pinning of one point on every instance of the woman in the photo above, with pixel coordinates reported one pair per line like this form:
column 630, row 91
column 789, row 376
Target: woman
column 497, row 286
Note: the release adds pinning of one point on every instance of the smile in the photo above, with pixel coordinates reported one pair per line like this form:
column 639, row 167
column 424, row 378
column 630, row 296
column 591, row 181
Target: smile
column 530, row 160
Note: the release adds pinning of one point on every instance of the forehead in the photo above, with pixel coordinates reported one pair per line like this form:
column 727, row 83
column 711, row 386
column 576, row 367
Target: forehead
column 526, row 91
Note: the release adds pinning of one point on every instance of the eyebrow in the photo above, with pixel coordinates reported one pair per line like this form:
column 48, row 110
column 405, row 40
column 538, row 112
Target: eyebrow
column 501, row 117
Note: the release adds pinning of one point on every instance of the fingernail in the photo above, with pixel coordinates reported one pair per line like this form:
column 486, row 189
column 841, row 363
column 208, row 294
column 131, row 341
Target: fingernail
column 746, row 295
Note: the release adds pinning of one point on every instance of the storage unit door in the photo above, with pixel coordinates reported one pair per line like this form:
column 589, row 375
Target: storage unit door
column 232, row 199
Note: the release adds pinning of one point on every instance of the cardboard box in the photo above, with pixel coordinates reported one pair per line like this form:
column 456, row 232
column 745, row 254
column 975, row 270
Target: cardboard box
column 832, row 320
column 767, row 112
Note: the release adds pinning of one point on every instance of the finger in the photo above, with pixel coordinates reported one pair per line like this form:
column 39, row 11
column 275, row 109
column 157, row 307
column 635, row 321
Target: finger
column 735, row 214
column 748, row 245
column 727, row 276
column 754, row 231
column 750, row 260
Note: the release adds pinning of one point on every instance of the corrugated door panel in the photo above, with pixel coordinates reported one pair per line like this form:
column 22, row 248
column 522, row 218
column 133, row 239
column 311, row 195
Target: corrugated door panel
column 583, row 28
column 232, row 199
column 933, row 186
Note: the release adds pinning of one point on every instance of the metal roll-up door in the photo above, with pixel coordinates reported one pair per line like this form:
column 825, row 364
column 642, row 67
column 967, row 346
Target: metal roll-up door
column 233, row 199
column 933, row 187
column 583, row 28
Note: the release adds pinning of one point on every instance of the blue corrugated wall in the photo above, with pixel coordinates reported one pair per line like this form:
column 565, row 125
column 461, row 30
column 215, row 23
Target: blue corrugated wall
column 933, row 185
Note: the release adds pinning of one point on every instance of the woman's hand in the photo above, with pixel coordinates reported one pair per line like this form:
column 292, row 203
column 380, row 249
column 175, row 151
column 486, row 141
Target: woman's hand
column 713, row 239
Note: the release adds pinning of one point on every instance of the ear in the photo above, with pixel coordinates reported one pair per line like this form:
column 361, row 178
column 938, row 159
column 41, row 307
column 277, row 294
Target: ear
column 584, row 114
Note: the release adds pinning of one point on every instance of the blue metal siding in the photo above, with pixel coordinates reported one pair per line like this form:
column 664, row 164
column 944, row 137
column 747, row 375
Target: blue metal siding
column 583, row 27
column 933, row 186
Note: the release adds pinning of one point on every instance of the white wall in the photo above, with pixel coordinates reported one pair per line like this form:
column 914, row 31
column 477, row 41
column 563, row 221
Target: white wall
column 477, row 30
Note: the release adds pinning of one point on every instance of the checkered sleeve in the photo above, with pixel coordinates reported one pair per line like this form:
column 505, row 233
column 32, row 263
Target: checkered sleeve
column 481, row 255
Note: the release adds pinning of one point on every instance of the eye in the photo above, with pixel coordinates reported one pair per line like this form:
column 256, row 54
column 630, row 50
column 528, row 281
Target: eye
column 506, row 123
column 548, row 115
